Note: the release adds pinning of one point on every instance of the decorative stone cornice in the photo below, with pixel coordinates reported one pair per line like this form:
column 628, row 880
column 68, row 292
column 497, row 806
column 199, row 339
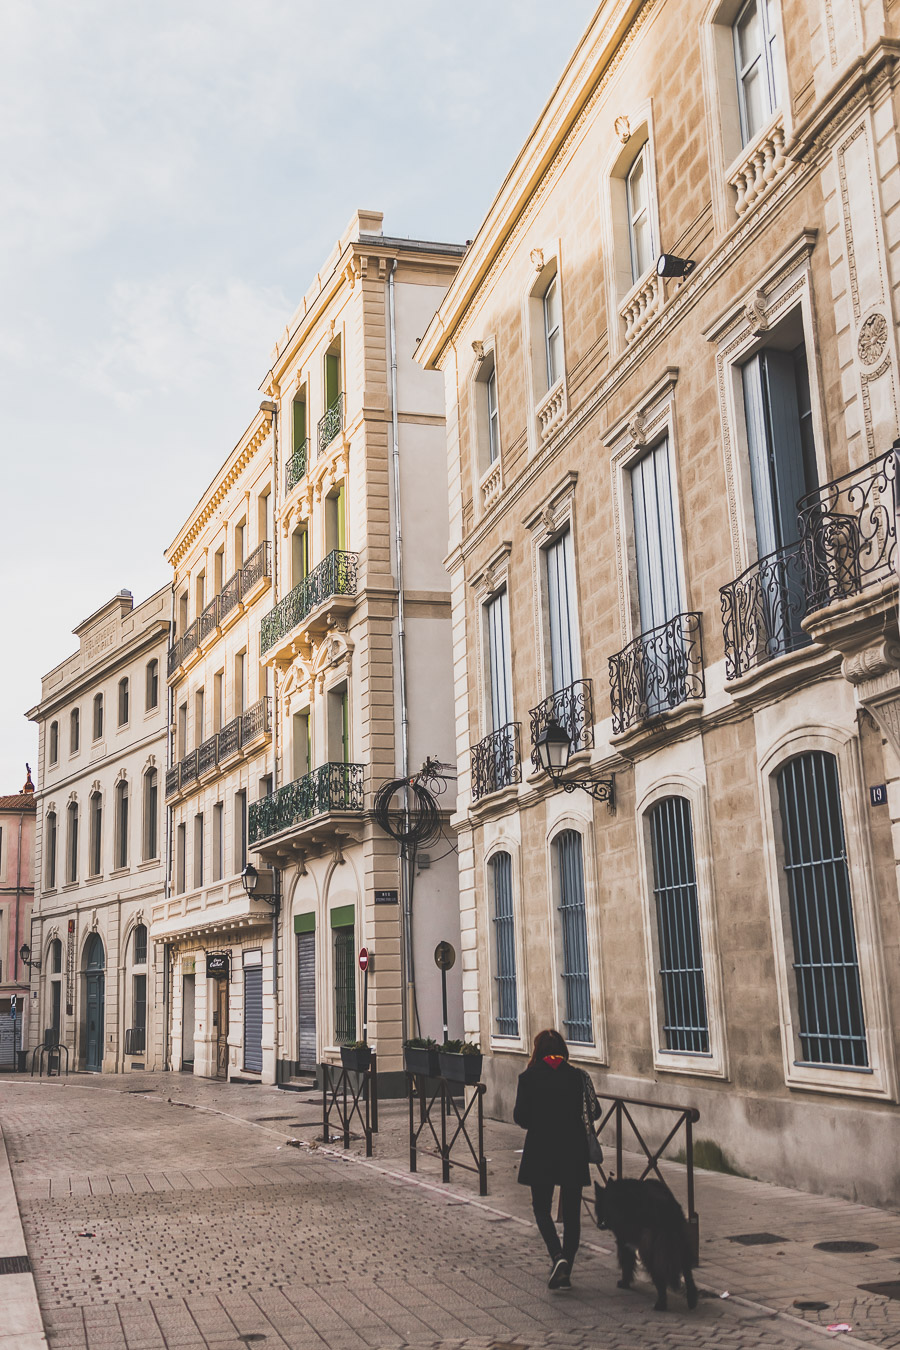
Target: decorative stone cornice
column 220, row 486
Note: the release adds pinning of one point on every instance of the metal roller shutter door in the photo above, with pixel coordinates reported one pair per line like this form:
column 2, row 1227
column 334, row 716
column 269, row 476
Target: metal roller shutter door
column 253, row 1010
column 306, row 1000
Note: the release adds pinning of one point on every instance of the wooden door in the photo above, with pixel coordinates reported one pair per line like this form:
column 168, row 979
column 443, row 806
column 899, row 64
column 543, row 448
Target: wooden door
column 221, row 1017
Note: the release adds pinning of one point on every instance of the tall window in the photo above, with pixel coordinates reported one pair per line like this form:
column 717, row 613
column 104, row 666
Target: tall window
column 339, row 725
column 199, row 594
column 685, row 1024
column 756, row 61
column 218, row 570
column 50, row 851
column 123, row 701
column 122, row 823
column 151, row 699
column 240, row 682
column 218, row 842
column 96, row 838
column 499, row 666
column 640, row 225
column 265, row 515
column 332, row 378
column 659, row 589
column 240, row 531
column 298, row 421
column 54, row 742
column 559, row 573
column 830, row 1021
column 507, row 1012
column 140, row 945
column 344, row 984
column 778, row 412
column 180, row 858
column 576, row 982
column 151, row 814
column 218, row 700
column 552, row 334
column 336, row 519
column 301, row 744
column 299, row 555
column 199, row 716
column 98, row 717
column 198, row 850
column 72, row 842
column 240, row 830
column 74, row 731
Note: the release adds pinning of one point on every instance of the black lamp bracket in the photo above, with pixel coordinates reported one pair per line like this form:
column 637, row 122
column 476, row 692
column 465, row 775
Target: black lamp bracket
column 601, row 789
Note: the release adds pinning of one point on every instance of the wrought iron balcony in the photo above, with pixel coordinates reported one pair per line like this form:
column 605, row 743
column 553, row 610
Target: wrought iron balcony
column 257, row 566
column 296, row 466
column 173, row 659
column 572, row 709
column 230, row 738
column 188, row 769
column 659, row 670
column 335, row 575
column 849, row 533
column 209, row 619
column 496, row 762
column 331, row 423
column 230, row 597
column 331, row 787
column 208, row 754
column 762, row 610
column 255, row 721
column 171, row 780
column 135, row 1040
column 190, row 640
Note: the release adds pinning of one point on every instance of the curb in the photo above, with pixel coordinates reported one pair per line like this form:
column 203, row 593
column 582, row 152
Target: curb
column 21, row 1327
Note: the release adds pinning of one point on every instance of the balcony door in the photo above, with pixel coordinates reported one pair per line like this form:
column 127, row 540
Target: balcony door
column 661, row 658
column 499, row 666
column 559, row 575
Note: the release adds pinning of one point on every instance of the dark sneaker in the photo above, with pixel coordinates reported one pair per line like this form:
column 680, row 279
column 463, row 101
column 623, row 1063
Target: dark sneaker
column 559, row 1273
column 565, row 1283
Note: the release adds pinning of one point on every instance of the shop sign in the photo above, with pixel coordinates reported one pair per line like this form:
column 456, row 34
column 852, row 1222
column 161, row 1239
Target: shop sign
column 216, row 965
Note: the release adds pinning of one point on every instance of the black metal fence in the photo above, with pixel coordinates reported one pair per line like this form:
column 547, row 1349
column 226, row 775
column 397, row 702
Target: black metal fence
column 347, row 1093
column 496, row 761
column 659, row 670
column 571, row 708
column 455, row 1125
column 762, row 610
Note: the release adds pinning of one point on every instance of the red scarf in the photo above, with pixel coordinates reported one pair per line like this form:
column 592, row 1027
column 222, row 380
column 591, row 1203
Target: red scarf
column 553, row 1061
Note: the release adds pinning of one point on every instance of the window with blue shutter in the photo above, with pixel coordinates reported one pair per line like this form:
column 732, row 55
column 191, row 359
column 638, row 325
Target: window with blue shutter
column 507, row 1012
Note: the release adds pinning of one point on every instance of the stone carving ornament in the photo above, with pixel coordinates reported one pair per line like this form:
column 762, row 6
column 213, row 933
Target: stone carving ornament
column 872, row 339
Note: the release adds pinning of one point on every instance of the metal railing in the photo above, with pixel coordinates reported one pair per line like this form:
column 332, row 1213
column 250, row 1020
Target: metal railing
column 296, row 466
column 230, row 738
column 496, row 761
column 255, row 721
column 430, row 1091
column 234, row 736
column 230, row 596
column 348, row 1098
column 762, row 610
column 135, row 1040
column 571, row 708
column 189, row 768
column 209, row 619
column 208, row 754
column 335, row 575
column 659, row 670
column 331, row 787
column 331, row 423
column 849, row 532
column 257, row 566
column 171, row 780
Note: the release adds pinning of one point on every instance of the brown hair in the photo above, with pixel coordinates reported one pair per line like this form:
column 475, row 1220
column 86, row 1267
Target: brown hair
column 547, row 1042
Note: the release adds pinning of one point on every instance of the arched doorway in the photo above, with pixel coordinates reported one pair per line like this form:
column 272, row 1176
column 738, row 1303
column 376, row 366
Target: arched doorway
column 95, row 987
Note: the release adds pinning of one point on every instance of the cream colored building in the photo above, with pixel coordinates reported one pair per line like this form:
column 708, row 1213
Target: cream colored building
column 99, row 983
column 672, row 535
column 220, row 761
column 358, row 655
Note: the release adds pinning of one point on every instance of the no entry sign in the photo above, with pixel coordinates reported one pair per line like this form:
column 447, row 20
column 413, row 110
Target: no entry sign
column 364, row 958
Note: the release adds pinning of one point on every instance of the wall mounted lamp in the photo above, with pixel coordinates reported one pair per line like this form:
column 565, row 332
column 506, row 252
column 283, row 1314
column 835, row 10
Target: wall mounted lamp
column 667, row 265
column 554, row 747
column 25, row 957
column 252, row 883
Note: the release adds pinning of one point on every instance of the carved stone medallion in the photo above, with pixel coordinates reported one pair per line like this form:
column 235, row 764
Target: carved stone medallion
column 872, row 339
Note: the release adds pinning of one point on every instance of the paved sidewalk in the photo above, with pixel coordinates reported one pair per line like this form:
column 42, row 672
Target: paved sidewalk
column 165, row 1211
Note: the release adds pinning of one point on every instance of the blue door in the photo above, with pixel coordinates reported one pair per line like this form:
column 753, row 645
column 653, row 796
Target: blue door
column 95, row 987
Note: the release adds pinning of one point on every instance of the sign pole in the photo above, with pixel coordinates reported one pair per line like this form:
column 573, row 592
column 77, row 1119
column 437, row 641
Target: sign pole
column 444, row 999
column 366, row 1004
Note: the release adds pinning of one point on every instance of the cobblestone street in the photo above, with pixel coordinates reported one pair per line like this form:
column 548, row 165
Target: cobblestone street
column 170, row 1211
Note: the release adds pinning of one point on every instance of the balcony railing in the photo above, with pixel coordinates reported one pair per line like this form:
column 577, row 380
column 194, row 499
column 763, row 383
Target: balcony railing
column 255, row 721
column 335, row 575
column 571, row 708
column 189, row 768
column 230, row 597
column 762, row 610
column 209, row 619
column 208, row 754
column 496, row 762
column 331, row 423
column 659, row 670
column 296, row 466
column 240, row 732
column 230, row 738
column 256, row 566
column 171, row 780
column 331, row 787
column 135, row 1040
column 849, row 532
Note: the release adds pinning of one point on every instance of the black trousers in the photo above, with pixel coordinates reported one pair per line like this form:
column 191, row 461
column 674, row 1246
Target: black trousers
column 541, row 1202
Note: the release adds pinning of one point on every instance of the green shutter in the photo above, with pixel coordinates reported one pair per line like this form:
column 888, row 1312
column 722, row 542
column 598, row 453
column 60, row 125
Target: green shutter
column 299, row 428
column 305, row 923
column 332, row 378
column 345, row 725
column 341, row 519
column 343, row 916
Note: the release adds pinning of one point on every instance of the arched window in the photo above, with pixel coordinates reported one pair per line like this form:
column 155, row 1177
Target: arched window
column 136, row 1037
column 72, row 842
column 55, row 957
column 685, row 1023
column 830, row 1019
column 54, row 742
column 94, row 955
column 151, row 814
column 122, row 823
column 98, row 717
column 139, row 945
column 506, row 1008
column 74, row 731
column 152, row 690
column 570, row 904
column 50, row 852
column 96, row 841
column 123, row 701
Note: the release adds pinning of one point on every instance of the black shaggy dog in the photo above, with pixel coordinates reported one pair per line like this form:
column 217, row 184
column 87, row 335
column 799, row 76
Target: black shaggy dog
column 649, row 1223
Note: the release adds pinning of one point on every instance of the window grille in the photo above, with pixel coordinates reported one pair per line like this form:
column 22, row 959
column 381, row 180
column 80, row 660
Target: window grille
column 507, row 1018
column 573, row 924
column 826, row 967
column 685, row 1024
column 344, row 986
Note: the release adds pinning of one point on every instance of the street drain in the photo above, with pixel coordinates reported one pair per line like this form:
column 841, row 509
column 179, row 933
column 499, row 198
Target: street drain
column 14, row 1265
column 810, row 1304
column 887, row 1288
column 757, row 1239
column 846, row 1245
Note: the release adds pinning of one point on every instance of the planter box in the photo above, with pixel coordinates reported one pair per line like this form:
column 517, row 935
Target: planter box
column 359, row 1060
column 421, row 1061
column 461, row 1068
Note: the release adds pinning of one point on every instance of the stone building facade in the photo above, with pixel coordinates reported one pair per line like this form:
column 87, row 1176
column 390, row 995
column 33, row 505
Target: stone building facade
column 100, row 841
column 220, row 940
column 358, row 655
column 671, row 374
column 17, row 822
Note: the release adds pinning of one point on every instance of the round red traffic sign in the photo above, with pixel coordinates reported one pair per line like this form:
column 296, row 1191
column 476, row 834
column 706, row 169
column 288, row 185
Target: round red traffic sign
column 364, row 958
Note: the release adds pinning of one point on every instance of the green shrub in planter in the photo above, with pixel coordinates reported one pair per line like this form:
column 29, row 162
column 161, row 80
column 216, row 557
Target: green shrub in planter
column 420, row 1055
column 461, row 1062
column 357, row 1055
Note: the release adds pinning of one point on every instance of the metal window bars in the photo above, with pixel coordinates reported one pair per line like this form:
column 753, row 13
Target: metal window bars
column 335, row 575
column 496, row 761
column 295, row 468
column 659, row 670
column 831, row 1023
column 330, row 424
column 507, row 1011
column 762, row 610
column 571, row 708
column 344, row 985
column 573, row 925
column 331, row 787
column 135, row 1040
column 685, row 1024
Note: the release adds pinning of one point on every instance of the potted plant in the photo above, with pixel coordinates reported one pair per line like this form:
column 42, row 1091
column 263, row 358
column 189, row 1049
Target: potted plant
column 357, row 1055
column 420, row 1055
column 461, row 1061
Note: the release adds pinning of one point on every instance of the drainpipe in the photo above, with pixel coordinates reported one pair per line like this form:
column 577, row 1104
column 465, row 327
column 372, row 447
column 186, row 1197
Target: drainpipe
column 406, row 898
column 170, row 706
column 270, row 405
column 16, row 957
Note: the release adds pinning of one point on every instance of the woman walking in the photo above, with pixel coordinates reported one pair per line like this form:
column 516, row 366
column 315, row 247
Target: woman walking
column 550, row 1107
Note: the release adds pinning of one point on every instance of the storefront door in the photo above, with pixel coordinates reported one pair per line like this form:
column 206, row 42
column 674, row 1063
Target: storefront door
column 222, row 1028
column 306, row 1002
column 187, row 1022
column 95, row 989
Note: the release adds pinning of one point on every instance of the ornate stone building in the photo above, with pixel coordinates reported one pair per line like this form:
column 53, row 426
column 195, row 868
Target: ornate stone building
column 97, row 984
column 17, row 822
column 671, row 375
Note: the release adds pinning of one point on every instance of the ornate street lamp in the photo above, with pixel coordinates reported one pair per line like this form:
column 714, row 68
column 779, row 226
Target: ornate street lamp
column 25, row 957
column 554, row 746
column 250, row 880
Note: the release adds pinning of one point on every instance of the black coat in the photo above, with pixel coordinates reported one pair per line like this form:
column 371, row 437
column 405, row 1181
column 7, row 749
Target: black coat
column 549, row 1108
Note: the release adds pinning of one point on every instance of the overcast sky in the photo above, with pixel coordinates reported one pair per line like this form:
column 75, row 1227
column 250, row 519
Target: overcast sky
column 172, row 175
